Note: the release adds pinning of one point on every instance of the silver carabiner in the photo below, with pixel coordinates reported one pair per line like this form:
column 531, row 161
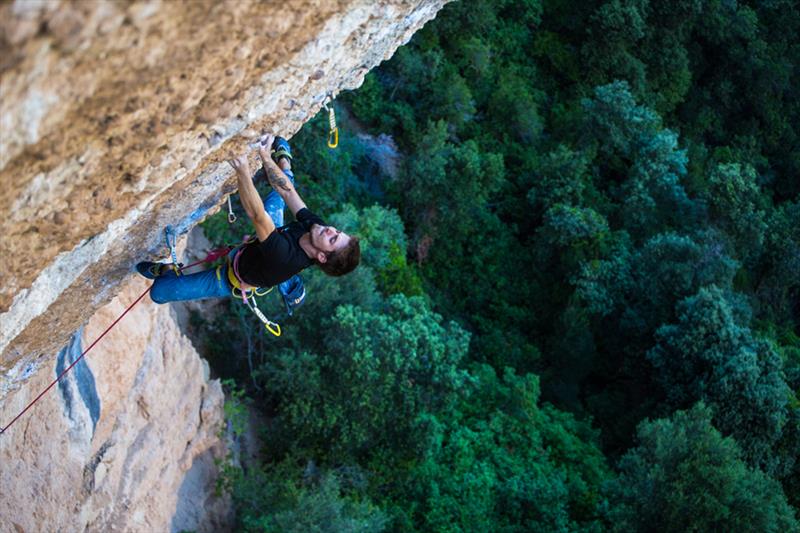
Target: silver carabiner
column 272, row 327
column 231, row 215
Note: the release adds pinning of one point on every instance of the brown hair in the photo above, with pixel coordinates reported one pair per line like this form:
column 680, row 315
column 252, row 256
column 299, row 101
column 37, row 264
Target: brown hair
column 343, row 261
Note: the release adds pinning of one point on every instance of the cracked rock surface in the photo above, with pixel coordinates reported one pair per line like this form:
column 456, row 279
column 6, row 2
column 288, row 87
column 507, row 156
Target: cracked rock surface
column 117, row 119
column 126, row 441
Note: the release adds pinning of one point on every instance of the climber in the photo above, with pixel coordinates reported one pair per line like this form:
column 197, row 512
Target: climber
column 278, row 253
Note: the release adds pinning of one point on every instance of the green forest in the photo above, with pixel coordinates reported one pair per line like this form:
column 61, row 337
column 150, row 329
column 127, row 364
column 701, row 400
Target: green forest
column 578, row 307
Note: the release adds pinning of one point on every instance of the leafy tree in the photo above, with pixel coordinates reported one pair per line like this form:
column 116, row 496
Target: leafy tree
column 628, row 297
column 464, row 249
column 376, row 376
column 577, row 233
column 515, row 104
column 506, row 464
column 446, row 184
column 684, row 476
column 284, row 498
column 708, row 356
column 651, row 196
column 779, row 289
column 643, row 286
column 621, row 26
column 383, row 246
column 735, row 201
column 561, row 179
column 451, row 98
column 669, row 75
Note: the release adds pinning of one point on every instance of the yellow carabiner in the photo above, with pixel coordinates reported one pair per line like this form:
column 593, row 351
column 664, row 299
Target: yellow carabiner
column 333, row 139
column 276, row 331
column 333, row 136
column 264, row 293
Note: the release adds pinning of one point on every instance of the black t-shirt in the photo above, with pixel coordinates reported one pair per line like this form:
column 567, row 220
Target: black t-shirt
column 279, row 257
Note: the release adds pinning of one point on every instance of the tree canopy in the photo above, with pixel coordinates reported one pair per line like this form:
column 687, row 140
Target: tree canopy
column 579, row 301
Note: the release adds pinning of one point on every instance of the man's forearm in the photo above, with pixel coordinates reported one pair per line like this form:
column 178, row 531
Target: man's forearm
column 251, row 200
column 279, row 181
column 277, row 178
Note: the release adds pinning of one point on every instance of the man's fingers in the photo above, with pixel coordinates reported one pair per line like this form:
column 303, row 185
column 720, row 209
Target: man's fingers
column 238, row 162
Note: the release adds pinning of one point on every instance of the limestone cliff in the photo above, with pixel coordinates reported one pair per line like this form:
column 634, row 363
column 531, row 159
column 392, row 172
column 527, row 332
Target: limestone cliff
column 126, row 441
column 115, row 121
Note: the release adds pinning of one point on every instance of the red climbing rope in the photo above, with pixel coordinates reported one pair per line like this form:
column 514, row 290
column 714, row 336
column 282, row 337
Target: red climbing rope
column 212, row 256
column 3, row 430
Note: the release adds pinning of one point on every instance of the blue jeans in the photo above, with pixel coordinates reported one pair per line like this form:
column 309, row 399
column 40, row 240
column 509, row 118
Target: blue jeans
column 208, row 284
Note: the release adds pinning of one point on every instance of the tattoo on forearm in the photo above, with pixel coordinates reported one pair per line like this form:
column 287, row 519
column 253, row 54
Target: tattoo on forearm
column 277, row 179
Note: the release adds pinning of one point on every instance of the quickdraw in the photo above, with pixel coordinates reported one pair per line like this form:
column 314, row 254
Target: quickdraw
column 333, row 135
column 272, row 327
column 171, row 237
column 231, row 215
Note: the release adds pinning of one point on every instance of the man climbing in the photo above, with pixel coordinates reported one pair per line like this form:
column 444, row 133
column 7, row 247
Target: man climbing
column 278, row 253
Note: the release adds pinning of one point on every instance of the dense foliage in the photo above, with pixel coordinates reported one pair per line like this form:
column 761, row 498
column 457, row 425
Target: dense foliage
column 685, row 476
column 579, row 305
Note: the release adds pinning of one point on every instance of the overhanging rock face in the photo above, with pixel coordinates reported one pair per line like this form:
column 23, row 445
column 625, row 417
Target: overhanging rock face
column 116, row 121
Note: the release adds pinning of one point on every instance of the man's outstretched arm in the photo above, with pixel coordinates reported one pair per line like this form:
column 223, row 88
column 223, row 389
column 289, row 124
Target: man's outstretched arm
column 280, row 183
column 251, row 201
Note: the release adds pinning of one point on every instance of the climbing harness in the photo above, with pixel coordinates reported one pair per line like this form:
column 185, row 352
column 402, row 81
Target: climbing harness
column 231, row 215
column 247, row 293
column 333, row 135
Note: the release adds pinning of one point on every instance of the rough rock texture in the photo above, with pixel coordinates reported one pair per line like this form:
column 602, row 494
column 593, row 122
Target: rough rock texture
column 126, row 442
column 117, row 118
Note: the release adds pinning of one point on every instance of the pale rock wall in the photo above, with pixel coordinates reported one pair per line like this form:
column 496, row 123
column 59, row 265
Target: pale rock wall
column 117, row 119
column 126, row 441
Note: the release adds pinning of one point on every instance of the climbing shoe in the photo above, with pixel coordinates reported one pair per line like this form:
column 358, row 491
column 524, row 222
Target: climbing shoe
column 149, row 269
column 281, row 148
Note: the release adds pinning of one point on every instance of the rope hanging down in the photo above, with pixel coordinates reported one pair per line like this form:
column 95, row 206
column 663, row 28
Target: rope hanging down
column 212, row 256
column 64, row 373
